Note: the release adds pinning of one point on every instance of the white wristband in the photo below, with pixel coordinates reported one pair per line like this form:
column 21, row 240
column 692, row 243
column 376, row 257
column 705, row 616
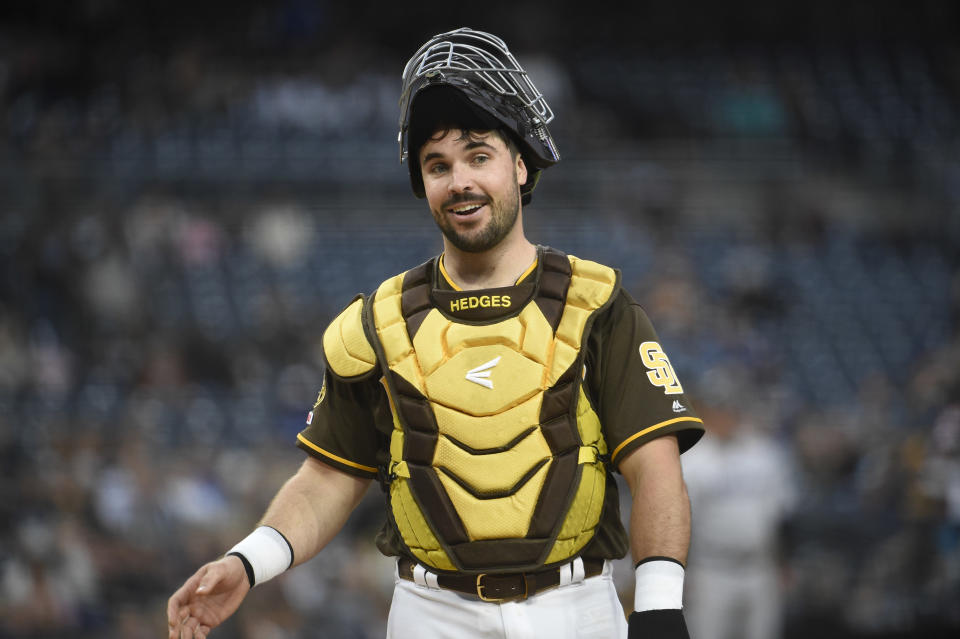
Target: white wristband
column 268, row 552
column 659, row 586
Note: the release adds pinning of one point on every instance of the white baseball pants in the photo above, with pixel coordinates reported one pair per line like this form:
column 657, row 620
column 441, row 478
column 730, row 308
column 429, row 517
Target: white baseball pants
column 588, row 609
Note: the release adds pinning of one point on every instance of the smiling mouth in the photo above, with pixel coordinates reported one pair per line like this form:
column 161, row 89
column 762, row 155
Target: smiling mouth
column 465, row 209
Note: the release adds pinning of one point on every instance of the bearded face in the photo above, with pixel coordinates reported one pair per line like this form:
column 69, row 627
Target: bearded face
column 472, row 182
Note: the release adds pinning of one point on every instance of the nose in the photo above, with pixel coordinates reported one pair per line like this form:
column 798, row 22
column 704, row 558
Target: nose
column 461, row 180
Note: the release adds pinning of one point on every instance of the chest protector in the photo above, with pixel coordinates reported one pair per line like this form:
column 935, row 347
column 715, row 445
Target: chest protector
column 495, row 453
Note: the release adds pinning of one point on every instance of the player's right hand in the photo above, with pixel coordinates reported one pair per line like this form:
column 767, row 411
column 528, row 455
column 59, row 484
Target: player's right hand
column 207, row 598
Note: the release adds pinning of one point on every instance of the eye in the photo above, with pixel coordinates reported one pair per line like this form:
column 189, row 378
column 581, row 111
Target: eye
column 480, row 158
column 437, row 168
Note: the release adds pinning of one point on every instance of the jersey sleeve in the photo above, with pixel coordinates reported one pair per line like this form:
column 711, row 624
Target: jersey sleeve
column 341, row 429
column 638, row 394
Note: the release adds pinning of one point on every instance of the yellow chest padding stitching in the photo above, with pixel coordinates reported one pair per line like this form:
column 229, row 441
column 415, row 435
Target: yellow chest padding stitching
column 491, row 458
column 345, row 345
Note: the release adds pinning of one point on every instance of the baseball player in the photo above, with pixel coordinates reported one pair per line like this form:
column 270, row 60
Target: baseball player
column 492, row 392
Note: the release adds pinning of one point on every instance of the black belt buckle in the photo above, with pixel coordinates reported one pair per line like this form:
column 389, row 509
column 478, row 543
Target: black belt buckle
column 481, row 587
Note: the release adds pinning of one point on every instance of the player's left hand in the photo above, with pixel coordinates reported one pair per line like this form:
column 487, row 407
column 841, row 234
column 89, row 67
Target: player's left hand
column 658, row 624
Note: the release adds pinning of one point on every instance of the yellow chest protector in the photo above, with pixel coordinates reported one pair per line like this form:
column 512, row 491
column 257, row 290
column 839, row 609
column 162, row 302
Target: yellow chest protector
column 495, row 451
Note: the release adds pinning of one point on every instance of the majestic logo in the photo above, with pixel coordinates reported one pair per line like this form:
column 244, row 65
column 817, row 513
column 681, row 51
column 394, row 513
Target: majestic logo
column 661, row 372
column 481, row 374
column 678, row 407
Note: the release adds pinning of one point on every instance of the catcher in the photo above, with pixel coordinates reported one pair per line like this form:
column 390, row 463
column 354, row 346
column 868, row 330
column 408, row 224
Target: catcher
column 492, row 392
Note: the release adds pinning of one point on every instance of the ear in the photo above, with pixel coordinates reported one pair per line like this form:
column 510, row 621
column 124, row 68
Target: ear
column 521, row 170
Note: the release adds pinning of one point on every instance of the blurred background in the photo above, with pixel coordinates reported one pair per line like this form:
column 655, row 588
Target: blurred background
column 190, row 191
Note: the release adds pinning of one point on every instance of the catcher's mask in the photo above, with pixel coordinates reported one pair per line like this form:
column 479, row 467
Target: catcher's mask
column 469, row 79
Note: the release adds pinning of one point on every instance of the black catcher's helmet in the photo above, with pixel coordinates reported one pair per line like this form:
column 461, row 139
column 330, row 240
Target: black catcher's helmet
column 469, row 78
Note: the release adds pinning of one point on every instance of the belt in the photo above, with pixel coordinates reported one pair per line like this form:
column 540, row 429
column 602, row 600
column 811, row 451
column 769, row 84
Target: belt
column 501, row 587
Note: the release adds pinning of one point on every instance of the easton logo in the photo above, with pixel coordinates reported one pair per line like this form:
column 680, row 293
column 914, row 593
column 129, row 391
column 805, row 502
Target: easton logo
column 481, row 374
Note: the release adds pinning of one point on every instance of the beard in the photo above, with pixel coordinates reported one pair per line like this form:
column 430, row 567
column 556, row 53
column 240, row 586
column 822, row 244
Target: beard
column 503, row 216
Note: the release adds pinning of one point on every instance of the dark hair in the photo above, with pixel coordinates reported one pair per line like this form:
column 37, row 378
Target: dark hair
column 471, row 134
